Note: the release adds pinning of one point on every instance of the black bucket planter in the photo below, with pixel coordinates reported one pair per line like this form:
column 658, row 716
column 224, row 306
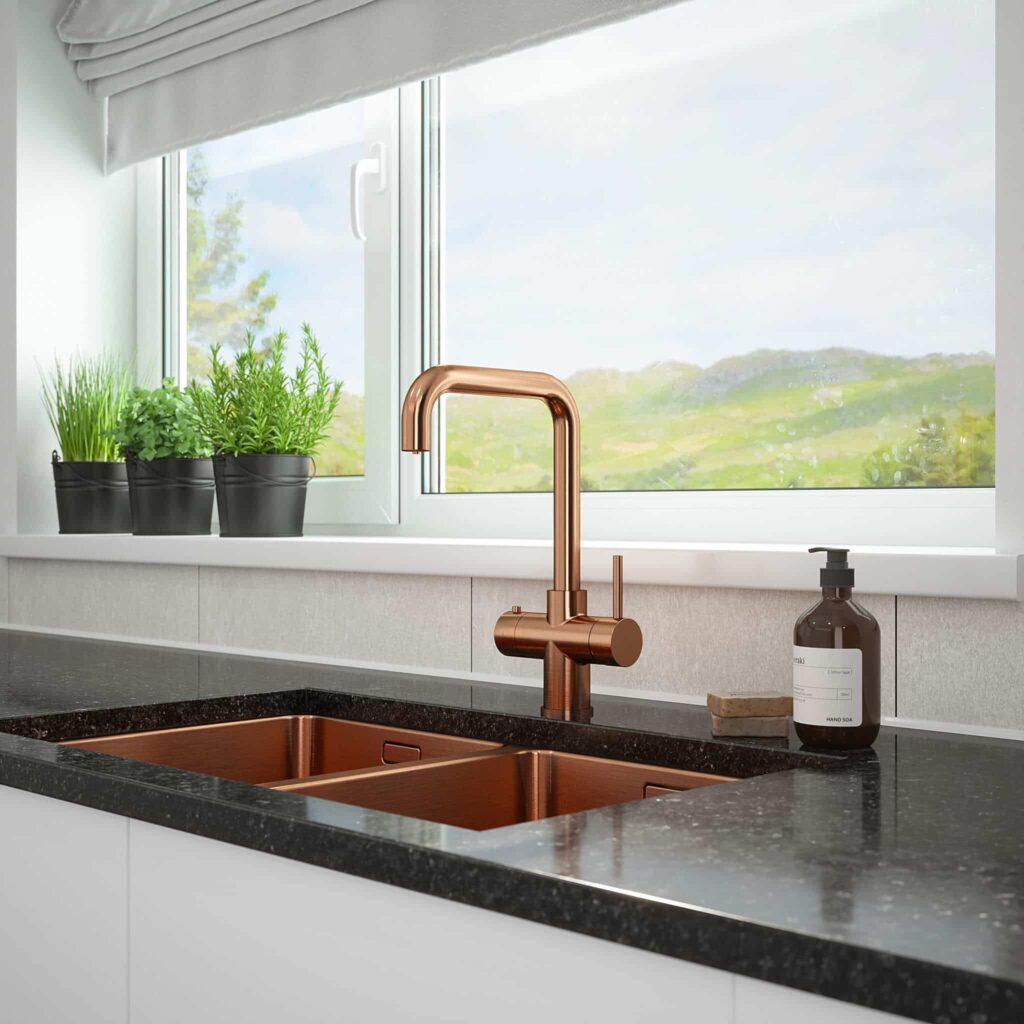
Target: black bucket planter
column 170, row 496
column 92, row 497
column 261, row 495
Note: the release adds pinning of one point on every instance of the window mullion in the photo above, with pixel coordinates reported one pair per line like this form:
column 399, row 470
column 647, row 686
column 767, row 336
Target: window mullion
column 432, row 186
column 175, row 261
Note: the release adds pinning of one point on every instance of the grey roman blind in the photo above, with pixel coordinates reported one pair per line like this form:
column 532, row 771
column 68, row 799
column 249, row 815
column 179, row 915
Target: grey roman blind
column 177, row 72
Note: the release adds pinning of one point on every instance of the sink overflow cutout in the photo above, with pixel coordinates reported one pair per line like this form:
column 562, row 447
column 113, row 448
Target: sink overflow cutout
column 652, row 789
column 396, row 753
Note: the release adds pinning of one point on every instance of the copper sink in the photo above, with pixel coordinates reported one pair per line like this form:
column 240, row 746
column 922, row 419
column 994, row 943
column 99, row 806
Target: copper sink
column 502, row 787
column 276, row 749
column 447, row 779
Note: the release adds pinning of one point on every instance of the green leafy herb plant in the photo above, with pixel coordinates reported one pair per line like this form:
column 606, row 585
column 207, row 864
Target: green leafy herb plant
column 254, row 407
column 84, row 402
column 161, row 423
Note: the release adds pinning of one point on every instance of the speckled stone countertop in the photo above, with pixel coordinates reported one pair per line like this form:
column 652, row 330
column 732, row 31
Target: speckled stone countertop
column 892, row 879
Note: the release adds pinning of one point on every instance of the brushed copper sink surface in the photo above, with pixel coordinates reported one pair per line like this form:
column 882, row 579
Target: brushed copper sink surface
column 275, row 749
column 503, row 787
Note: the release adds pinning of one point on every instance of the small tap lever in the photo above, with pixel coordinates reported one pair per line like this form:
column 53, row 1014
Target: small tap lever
column 616, row 586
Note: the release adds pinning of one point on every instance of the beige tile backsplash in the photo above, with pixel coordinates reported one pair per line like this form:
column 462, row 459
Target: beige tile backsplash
column 127, row 599
column 400, row 620
column 959, row 661
column 962, row 661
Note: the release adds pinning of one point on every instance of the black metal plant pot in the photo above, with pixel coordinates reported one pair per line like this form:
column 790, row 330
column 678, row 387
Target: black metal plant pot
column 92, row 497
column 170, row 496
column 261, row 495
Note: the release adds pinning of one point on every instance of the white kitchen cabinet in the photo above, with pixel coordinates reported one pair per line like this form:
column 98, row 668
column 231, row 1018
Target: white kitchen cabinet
column 223, row 933
column 63, row 912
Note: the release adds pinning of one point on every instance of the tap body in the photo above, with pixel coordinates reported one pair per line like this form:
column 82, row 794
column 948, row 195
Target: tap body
column 567, row 639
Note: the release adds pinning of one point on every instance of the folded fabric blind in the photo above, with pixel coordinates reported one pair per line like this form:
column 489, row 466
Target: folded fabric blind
column 177, row 72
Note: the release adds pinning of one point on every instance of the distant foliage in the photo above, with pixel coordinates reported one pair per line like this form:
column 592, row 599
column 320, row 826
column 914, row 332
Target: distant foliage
column 963, row 455
column 253, row 407
column 161, row 423
column 83, row 403
column 221, row 310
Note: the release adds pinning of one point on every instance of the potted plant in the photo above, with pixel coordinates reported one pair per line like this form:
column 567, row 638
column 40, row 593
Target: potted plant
column 265, row 426
column 83, row 402
column 170, row 472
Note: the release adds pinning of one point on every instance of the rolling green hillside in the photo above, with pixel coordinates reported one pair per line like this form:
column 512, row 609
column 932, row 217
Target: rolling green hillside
column 831, row 418
column 342, row 453
column 768, row 419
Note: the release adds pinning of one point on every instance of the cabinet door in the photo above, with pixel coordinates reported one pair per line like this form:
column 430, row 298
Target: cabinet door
column 63, row 911
column 220, row 933
column 757, row 1002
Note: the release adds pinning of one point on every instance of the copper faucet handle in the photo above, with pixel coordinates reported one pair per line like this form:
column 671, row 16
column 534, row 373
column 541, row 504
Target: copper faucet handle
column 617, row 586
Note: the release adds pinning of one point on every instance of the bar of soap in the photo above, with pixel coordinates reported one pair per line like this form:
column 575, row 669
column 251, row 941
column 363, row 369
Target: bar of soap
column 770, row 704
column 776, row 725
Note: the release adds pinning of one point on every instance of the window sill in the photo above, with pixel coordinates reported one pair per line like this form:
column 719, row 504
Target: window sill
column 928, row 572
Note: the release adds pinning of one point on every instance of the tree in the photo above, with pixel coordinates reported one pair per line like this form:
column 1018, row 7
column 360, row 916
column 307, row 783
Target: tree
column 938, row 455
column 219, row 310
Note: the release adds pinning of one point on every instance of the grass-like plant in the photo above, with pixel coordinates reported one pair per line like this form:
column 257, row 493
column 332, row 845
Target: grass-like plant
column 254, row 407
column 161, row 423
column 84, row 402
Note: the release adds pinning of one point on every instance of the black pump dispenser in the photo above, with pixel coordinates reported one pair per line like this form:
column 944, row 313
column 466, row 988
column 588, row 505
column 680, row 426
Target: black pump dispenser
column 837, row 572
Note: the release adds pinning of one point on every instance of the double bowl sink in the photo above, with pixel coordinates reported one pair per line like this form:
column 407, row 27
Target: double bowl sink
column 472, row 784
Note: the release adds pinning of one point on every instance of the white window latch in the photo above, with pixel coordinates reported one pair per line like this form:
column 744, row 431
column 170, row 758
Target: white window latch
column 372, row 166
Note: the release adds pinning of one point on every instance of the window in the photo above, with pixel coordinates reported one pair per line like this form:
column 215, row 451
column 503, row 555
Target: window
column 266, row 240
column 759, row 248
column 757, row 240
column 266, row 213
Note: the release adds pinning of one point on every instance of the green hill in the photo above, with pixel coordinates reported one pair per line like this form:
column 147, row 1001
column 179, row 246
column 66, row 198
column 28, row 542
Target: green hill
column 342, row 453
column 768, row 419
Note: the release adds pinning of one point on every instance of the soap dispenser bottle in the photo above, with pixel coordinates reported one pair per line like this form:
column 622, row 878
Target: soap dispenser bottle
column 836, row 665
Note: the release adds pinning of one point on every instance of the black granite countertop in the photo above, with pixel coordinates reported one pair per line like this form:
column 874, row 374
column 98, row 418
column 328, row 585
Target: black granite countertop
column 892, row 879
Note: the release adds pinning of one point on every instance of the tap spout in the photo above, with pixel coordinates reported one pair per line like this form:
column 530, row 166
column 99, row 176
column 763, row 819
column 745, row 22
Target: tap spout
column 432, row 384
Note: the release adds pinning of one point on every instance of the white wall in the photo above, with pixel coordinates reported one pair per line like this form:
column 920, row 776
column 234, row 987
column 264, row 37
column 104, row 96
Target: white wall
column 1009, row 271
column 8, row 263
column 75, row 241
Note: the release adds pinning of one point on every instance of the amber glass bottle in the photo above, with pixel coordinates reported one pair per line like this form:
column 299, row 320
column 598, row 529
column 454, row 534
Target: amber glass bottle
column 837, row 693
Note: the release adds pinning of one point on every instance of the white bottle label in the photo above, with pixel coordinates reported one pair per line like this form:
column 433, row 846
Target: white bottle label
column 827, row 686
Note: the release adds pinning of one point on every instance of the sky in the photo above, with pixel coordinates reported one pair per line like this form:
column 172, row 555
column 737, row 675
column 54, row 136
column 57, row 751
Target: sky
column 688, row 185
column 296, row 225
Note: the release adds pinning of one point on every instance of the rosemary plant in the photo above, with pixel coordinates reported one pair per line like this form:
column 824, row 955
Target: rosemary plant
column 254, row 407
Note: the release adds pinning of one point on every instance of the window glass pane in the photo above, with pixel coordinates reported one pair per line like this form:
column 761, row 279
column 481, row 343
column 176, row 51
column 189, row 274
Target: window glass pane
column 756, row 237
column 269, row 247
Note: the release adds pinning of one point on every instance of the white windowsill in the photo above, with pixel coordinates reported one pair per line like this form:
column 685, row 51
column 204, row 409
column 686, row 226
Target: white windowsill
column 930, row 572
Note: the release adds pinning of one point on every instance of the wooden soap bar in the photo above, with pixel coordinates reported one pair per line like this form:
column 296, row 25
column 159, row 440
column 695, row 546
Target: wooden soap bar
column 777, row 725
column 770, row 704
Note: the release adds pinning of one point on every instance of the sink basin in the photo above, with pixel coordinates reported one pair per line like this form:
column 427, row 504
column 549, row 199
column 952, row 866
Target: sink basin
column 503, row 787
column 277, row 749
column 472, row 784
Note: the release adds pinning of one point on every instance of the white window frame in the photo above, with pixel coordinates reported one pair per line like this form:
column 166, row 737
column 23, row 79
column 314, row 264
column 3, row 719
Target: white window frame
column 932, row 517
column 404, row 503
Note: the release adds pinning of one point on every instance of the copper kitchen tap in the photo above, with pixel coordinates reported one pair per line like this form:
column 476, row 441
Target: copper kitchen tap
column 568, row 639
